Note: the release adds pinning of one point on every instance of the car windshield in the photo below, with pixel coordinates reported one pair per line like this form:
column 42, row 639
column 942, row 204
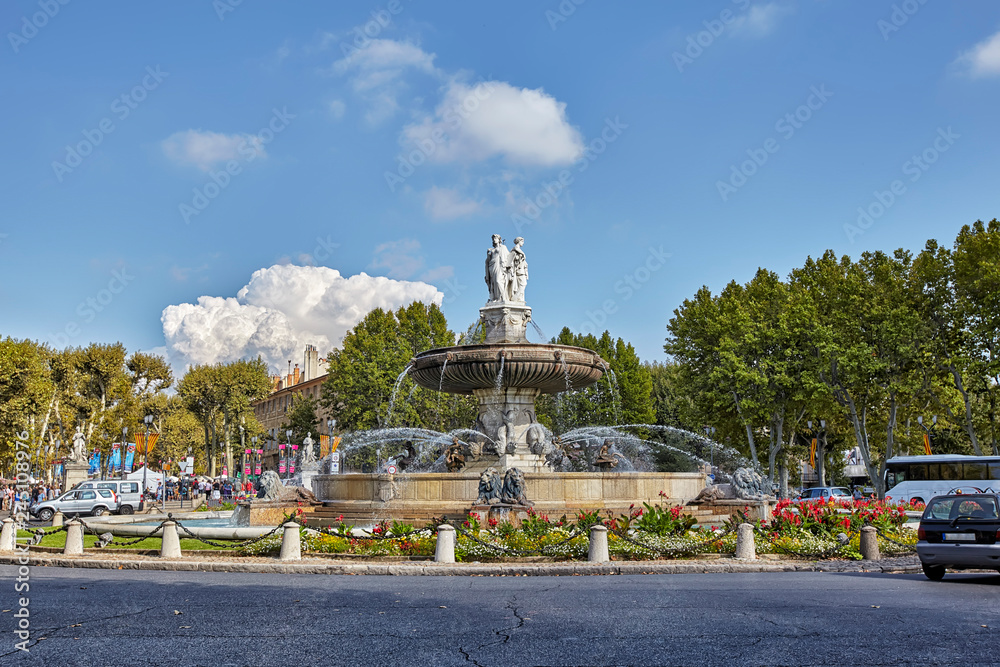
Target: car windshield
column 961, row 507
column 839, row 492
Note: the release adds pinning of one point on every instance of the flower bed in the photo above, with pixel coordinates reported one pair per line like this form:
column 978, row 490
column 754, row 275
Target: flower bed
column 651, row 532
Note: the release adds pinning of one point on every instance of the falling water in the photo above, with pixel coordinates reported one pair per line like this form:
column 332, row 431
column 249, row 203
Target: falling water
column 437, row 417
column 613, row 380
column 395, row 388
column 498, row 383
column 539, row 331
column 565, row 368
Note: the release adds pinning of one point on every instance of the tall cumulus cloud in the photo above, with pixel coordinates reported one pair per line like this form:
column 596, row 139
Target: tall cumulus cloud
column 278, row 312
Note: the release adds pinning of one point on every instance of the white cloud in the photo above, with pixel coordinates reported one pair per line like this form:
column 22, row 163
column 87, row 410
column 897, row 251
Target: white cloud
column 983, row 59
column 337, row 108
column 760, row 20
column 207, row 149
column 447, row 204
column 474, row 123
column 278, row 312
column 377, row 73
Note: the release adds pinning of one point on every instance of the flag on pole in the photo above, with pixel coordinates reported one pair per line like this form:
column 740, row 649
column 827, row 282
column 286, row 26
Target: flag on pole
column 927, row 444
column 812, row 453
column 129, row 457
column 281, row 459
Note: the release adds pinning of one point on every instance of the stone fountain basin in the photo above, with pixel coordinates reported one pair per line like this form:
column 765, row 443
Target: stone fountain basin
column 525, row 366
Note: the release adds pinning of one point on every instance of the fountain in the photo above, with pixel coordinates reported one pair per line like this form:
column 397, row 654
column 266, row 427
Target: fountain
column 506, row 374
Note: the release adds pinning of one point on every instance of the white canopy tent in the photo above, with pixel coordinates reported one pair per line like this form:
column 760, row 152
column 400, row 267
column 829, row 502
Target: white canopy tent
column 153, row 478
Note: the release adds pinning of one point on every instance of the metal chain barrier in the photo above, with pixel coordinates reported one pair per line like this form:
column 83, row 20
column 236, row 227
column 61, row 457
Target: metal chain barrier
column 372, row 536
column 692, row 549
column 880, row 533
column 127, row 543
column 542, row 551
column 826, row 553
column 227, row 545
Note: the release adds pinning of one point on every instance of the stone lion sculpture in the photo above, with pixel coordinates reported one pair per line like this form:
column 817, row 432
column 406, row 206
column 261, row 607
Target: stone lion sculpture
column 710, row 493
column 537, row 442
column 270, row 487
column 490, row 488
column 513, row 488
column 748, row 484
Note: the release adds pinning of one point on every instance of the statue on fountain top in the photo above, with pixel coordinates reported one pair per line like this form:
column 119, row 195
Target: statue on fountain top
column 506, row 271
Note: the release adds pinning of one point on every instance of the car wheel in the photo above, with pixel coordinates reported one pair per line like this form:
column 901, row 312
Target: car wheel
column 45, row 515
column 99, row 511
column 125, row 509
column 933, row 572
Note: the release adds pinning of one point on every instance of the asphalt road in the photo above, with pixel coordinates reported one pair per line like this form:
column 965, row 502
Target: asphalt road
column 92, row 617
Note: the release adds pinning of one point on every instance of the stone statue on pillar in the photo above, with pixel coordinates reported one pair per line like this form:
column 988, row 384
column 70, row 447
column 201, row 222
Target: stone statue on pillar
column 79, row 444
column 496, row 270
column 308, row 454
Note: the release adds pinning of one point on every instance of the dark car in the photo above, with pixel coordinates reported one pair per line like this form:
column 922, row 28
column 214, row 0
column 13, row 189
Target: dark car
column 959, row 531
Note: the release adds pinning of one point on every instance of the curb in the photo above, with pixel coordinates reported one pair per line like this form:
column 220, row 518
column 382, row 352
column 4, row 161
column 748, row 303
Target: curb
column 465, row 569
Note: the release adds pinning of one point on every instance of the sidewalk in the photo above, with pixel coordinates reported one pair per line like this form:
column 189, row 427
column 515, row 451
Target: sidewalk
column 191, row 563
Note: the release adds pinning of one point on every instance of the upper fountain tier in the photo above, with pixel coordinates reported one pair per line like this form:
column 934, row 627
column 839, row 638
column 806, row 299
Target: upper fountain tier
column 547, row 368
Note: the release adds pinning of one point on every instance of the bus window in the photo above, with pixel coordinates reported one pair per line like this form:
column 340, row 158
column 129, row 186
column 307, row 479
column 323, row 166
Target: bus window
column 918, row 471
column 974, row 471
column 951, row 471
column 994, row 471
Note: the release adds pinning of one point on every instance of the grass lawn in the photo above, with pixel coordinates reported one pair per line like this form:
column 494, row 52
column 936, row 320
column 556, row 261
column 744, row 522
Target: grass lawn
column 59, row 540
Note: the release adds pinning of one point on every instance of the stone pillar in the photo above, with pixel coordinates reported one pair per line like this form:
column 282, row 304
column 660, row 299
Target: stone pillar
column 291, row 544
column 598, row 550
column 170, row 546
column 745, row 547
column 869, row 544
column 74, row 538
column 57, row 519
column 8, row 535
column 444, row 552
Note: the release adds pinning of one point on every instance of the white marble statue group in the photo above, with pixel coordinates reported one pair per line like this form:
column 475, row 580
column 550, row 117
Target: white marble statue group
column 506, row 270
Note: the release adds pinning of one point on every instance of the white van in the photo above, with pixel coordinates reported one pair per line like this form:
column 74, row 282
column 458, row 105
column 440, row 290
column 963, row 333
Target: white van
column 129, row 498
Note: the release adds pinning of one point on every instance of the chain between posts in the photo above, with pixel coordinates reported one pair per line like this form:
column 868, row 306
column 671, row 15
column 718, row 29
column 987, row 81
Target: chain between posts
column 228, row 545
column 694, row 548
column 908, row 547
column 543, row 551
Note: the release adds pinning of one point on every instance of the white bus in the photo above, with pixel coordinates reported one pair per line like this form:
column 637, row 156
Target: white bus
column 923, row 477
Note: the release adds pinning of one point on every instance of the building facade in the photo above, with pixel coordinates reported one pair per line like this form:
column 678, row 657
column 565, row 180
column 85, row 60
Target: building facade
column 272, row 412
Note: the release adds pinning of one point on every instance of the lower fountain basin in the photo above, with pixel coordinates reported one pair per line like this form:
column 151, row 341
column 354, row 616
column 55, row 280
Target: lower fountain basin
column 544, row 367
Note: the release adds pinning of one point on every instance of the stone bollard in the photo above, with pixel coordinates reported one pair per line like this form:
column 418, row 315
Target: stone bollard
column 74, row 538
column 598, row 550
column 291, row 544
column 170, row 546
column 745, row 547
column 57, row 520
column 444, row 552
column 869, row 544
column 8, row 535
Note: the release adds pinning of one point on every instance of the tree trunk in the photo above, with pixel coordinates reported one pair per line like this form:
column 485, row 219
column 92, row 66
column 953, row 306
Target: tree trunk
column 777, row 444
column 861, row 436
column 969, row 427
column 746, row 425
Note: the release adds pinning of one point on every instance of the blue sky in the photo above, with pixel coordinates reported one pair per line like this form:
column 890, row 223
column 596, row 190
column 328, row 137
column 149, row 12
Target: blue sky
column 392, row 139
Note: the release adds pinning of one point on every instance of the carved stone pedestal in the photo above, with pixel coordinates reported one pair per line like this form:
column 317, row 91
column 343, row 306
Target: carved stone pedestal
column 74, row 473
column 505, row 321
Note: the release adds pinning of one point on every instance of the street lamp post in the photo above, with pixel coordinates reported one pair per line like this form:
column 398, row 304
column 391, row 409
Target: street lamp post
column 148, row 420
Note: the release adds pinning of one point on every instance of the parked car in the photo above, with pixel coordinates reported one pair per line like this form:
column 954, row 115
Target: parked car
column 129, row 498
column 959, row 531
column 824, row 493
column 76, row 502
